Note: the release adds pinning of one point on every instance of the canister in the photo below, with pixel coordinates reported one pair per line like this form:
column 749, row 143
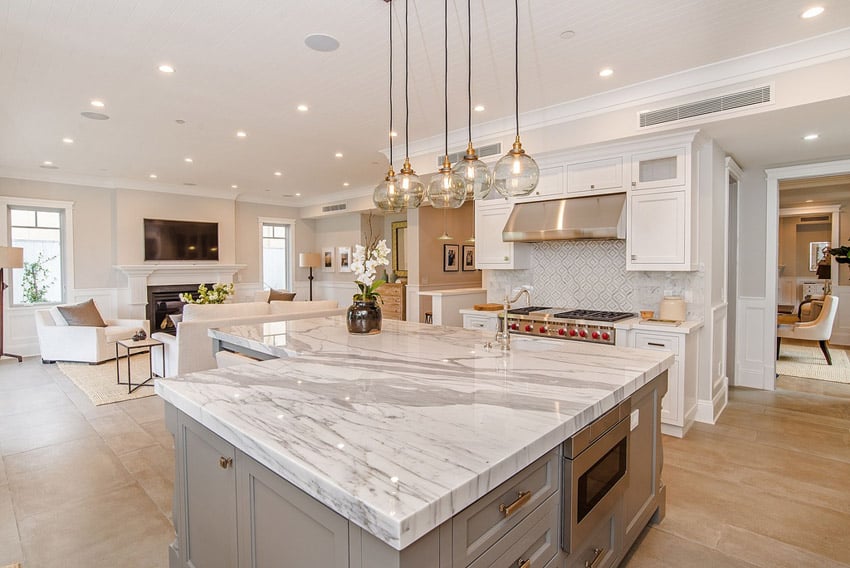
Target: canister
column 672, row 308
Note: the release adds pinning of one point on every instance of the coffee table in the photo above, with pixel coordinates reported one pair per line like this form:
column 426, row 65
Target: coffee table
column 132, row 345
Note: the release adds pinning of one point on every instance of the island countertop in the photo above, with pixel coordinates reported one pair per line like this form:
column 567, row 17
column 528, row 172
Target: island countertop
column 400, row 431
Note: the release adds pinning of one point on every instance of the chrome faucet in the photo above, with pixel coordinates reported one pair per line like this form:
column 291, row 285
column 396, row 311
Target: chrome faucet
column 503, row 336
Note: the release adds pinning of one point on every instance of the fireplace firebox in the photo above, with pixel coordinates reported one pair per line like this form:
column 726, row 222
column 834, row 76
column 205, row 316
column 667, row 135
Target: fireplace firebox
column 164, row 301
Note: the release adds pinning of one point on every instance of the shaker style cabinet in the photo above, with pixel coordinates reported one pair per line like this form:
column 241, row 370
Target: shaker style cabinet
column 490, row 250
column 549, row 186
column 595, row 176
column 659, row 168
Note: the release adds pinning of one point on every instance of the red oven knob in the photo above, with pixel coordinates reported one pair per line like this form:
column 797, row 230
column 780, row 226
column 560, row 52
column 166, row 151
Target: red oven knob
column 515, row 326
column 562, row 331
column 583, row 333
column 605, row 336
column 573, row 333
column 528, row 327
column 542, row 329
column 595, row 335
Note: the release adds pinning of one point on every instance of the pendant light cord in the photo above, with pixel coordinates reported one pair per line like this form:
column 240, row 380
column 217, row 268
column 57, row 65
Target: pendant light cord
column 391, row 83
column 469, row 70
column 516, row 64
column 446, row 69
column 406, row 80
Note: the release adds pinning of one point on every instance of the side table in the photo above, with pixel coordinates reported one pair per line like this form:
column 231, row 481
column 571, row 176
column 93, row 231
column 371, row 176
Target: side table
column 131, row 345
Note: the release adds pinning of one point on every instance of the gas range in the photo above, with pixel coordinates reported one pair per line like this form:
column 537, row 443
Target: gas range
column 594, row 326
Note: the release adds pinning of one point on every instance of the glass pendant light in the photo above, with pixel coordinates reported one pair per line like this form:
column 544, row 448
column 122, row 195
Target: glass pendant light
column 385, row 196
column 516, row 173
column 411, row 191
column 475, row 173
column 446, row 189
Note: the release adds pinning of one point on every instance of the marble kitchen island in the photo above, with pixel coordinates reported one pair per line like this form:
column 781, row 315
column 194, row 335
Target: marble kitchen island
column 391, row 443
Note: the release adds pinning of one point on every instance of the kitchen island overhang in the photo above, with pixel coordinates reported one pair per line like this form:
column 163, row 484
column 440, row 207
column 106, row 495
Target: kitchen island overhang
column 399, row 432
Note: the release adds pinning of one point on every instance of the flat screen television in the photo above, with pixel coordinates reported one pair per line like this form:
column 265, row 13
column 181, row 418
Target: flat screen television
column 180, row 240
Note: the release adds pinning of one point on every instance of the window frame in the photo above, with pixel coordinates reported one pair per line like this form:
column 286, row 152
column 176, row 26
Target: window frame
column 67, row 243
column 290, row 249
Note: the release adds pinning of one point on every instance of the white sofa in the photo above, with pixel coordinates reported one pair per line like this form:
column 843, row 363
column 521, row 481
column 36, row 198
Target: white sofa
column 59, row 341
column 191, row 349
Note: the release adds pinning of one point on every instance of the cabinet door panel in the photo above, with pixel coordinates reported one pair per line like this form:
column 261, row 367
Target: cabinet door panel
column 657, row 225
column 287, row 527
column 550, row 184
column 596, row 175
column 659, row 168
column 209, row 524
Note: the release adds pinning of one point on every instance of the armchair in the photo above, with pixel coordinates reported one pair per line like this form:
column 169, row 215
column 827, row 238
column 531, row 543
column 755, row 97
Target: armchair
column 58, row 342
column 819, row 329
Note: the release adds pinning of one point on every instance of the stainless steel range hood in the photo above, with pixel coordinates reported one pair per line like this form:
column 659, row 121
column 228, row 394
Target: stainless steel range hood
column 598, row 217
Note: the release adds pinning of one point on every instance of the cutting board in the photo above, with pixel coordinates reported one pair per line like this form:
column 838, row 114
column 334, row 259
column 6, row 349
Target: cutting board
column 488, row 307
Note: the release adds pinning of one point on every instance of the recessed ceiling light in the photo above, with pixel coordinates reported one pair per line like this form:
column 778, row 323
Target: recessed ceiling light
column 165, row 68
column 234, row 186
column 303, row 108
column 97, row 103
column 68, row 140
column 241, row 134
column 47, row 163
column 811, row 136
column 297, row 195
column 152, row 176
column 189, row 183
column 345, row 184
column 393, row 133
column 810, row 201
column 812, row 12
column 478, row 108
column 50, row 167
column 94, row 115
column 607, row 72
column 180, row 121
column 568, row 34
column 321, row 42
column 188, row 160
column 278, row 174
column 338, row 154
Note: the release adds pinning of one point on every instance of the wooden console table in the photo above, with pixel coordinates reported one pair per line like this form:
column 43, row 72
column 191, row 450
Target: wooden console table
column 393, row 298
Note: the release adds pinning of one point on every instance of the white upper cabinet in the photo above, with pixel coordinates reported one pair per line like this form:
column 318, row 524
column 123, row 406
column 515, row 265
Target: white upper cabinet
column 491, row 252
column 657, row 237
column 659, row 168
column 596, row 176
column 550, row 185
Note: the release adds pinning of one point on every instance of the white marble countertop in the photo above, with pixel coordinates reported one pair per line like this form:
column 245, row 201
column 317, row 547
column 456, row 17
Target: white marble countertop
column 453, row 292
column 400, row 431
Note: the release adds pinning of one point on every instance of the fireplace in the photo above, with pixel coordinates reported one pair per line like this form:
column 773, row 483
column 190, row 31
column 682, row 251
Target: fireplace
column 164, row 301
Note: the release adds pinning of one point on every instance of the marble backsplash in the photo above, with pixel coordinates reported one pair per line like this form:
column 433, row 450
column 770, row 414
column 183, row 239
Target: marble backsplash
column 592, row 274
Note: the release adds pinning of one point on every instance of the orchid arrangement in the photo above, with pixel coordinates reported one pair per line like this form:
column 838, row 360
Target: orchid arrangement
column 217, row 295
column 365, row 262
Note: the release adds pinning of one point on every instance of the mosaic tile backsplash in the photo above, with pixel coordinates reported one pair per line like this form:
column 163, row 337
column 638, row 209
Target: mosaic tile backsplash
column 592, row 274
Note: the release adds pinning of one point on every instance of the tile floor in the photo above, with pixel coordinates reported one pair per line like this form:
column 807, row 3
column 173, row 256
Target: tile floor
column 85, row 486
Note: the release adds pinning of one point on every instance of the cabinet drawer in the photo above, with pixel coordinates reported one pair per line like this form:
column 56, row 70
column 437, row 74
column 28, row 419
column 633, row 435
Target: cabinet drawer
column 644, row 340
column 480, row 322
column 482, row 524
column 601, row 548
column 534, row 540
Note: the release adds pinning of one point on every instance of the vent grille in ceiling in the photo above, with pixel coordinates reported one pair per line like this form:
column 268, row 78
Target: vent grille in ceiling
column 821, row 219
column 335, row 207
column 750, row 97
column 483, row 152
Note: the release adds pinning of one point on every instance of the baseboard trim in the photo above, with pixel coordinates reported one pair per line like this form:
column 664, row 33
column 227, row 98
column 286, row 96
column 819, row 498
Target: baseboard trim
column 709, row 411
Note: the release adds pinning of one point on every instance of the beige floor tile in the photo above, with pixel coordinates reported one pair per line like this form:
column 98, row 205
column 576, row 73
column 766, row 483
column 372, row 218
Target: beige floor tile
column 21, row 377
column 3, row 479
column 658, row 549
column 89, row 410
column 10, row 542
column 42, row 479
column 157, row 429
column 32, row 398
column 122, row 433
column 114, row 528
column 42, row 427
column 145, row 409
column 154, row 458
column 159, row 489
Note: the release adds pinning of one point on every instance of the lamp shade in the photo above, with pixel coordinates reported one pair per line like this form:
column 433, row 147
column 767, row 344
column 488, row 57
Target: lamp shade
column 11, row 257
column 310, row 259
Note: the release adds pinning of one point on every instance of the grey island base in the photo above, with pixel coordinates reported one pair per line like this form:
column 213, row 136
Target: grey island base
column 415, row 448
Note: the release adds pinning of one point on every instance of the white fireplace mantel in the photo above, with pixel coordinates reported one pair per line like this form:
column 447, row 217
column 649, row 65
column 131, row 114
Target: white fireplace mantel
column 140, row 276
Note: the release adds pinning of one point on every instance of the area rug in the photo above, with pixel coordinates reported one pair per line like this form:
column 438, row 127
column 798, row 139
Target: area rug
column 98, row 381
column 804, row 359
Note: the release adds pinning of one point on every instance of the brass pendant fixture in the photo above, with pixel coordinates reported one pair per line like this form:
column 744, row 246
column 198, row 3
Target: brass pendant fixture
column 475, row 173
column 516, row 173
column 385, row 196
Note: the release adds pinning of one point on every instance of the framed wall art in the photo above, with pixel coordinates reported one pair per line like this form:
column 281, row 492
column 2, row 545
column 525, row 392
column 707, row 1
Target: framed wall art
column 328, row 259
column 468, row 258
column 451, row 258
column 343, row 255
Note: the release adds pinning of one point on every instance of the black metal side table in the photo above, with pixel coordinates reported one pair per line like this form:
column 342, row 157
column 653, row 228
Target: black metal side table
column 131, row 345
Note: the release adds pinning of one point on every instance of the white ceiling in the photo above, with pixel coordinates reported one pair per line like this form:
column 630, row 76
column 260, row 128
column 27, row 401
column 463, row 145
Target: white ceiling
column 242, row 64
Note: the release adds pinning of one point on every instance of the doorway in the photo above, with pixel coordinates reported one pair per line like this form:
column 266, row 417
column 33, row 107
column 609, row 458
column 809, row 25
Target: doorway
column 733, row 176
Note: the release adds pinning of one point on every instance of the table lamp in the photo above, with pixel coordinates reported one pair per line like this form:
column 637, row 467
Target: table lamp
column 310, row 260
column 10, row 257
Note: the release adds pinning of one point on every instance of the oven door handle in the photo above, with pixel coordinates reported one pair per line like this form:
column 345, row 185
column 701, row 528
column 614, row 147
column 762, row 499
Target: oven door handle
column 597, row 558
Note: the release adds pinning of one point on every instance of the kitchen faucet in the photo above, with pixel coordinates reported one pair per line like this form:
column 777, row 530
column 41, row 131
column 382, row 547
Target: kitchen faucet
column 503, row 336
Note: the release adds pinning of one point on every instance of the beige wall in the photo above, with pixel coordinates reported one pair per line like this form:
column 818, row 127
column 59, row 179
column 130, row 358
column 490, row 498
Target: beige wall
column 248, row 237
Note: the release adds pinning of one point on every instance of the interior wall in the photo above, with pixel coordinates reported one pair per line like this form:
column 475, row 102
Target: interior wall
column 460, row 225
column 335, row 232
column 751, row 199
column 806, row 234
column 248, row 238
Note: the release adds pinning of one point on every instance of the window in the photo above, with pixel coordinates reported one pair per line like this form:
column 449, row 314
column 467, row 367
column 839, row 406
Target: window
column 40, row 231
column 277, row 257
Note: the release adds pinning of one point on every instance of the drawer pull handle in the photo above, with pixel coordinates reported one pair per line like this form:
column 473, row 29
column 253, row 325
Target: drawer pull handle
column 523, row 497
column 224, row 462
column 597, row 558
column 655, row 344
column 523, row 563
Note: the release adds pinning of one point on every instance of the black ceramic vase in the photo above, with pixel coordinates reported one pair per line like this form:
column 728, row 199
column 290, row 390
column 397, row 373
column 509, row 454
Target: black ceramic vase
column 363, row 317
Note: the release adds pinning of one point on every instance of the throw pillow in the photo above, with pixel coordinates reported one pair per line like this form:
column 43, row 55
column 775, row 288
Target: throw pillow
column 84, row 314
column 280, row 296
